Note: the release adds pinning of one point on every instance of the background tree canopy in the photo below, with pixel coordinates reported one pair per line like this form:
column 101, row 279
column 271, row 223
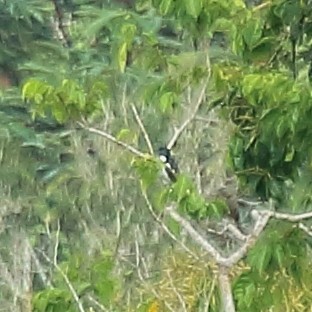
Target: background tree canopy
column 90, row 90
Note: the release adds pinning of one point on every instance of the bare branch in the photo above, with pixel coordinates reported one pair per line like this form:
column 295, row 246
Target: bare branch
column 179, row 296
column 113, row 139
column 199, row 101
column 58, row 268
column 95, row 302
column 229, row 227
column 290, row 217
column 207, row 120
column 137, row 253
column 141, row 125
column 236, row 232
column 67, row 281
column 137, row 257
column 211, row 250
column 6, row 275
column 165, row 228
column 249, row 203
column 208, row 301
column 123, row 104
column 261, row 217
column 261, row 223
column 195, row 235
column 57, row 241
column 45, row 280
column 305, row 229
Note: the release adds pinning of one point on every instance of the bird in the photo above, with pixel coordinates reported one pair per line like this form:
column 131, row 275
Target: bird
column 170, row 165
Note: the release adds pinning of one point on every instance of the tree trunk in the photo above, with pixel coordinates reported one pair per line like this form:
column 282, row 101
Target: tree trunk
column 225, row 290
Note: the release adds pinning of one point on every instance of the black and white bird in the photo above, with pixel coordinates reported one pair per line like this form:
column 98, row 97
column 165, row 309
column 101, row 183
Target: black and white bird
column 171, row 167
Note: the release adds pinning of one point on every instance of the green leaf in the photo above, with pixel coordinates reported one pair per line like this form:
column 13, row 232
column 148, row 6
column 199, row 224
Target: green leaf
column 147, row 169
column 103, row 20
column 173, row 226
column 182, row 188
column 164, row 6
column 279, row 255
column 100, row 275
column 83, row 287
column 128, row 32
column 252, row 32
column 259, row 257
column 166, row 101
column 122, row 56
column 193, row 7
column 249, row 294
column 239, row 4
column 290, row 153
column 124, row 134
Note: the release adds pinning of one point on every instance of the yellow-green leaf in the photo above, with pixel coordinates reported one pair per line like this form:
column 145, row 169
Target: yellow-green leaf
column 122, row 56
column 165, row 6
column 193, row 7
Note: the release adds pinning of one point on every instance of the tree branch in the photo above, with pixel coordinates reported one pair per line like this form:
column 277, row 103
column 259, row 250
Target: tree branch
column 200, row 240
column 199, row 101
column 179, row 296
column 58, row 268
column 261, row 223
column 165, row 228
column 111, row 138
column 141, row 125
column 137, row 253
column 290, row 217
column 262, row 218
column 60, row 26
column 305, row 229
column 67, row 282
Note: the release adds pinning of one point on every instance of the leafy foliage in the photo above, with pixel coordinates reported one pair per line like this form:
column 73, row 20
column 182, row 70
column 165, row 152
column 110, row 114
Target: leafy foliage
column 89, row 63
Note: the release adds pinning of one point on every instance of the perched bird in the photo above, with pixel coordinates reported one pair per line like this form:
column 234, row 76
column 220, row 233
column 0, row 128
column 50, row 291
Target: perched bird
column 171, row 167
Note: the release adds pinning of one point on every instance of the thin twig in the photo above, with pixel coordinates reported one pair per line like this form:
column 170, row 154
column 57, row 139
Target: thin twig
column 229, row 227
column 236, row 232
column 179, row 131
column 98, row 304
column 180, row 298
column 67, row 281
column 212, row 287
column 198, row 103
column 262, row 6
column 208, row 121
column 44, row 278
column 57, row 241
column 137, row 253
column 141, row 125
column 58, row 268
column 123, row 103
column 248, row 203
column 113, row 139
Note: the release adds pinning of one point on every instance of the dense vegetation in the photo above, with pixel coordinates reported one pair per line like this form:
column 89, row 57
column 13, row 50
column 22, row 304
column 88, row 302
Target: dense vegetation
column 90, row 90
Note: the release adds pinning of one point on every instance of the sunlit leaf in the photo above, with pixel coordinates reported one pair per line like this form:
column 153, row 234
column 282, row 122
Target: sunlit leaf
column 193, row 7
column 122, row 56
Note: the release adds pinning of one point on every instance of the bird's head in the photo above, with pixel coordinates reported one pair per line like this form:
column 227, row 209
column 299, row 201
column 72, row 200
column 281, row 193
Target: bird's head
column 164, row 154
